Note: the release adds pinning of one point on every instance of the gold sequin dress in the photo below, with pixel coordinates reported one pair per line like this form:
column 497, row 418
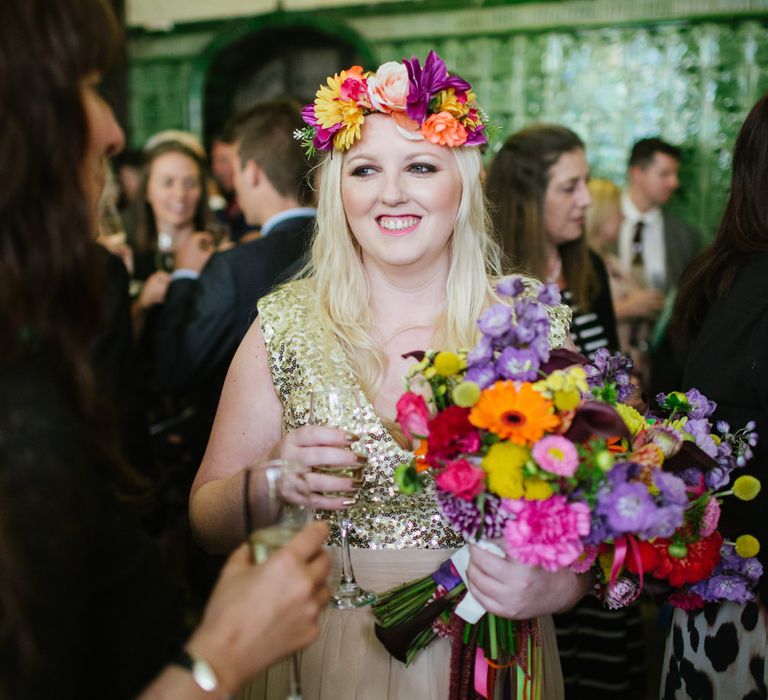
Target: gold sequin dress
column 395, row 538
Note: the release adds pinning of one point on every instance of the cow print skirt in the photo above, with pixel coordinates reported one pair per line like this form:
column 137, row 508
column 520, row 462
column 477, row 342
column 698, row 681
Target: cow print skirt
column 717, row 654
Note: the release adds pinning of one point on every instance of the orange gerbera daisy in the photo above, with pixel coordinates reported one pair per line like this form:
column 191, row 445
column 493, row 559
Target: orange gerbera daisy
column 521, row 415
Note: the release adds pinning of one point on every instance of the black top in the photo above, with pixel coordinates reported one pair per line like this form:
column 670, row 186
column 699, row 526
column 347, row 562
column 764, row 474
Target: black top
column 728, row 363
column 595, row 327
column 93, row 593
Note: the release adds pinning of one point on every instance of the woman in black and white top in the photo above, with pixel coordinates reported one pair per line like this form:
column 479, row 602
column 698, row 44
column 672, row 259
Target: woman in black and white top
column 537, row 187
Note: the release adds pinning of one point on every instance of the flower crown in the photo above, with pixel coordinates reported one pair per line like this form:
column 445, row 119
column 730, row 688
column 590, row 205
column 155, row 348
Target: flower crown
column 425, row 102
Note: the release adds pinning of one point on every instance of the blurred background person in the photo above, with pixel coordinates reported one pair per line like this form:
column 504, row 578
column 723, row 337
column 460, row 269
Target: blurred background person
column 537, row 187
column 634, row 305
column 655, row 246
column 223, row 154
column 86, row 607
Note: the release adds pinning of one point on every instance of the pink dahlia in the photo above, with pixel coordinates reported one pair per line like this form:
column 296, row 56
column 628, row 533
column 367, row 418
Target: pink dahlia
column 546, row 533
column 557, row 455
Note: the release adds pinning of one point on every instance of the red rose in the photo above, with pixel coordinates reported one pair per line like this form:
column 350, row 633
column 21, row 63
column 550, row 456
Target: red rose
column 413, row 415
column 461, row 478
column 451, row 435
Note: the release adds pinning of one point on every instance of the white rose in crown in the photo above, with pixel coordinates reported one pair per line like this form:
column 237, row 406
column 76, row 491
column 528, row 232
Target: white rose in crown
column 388, row 89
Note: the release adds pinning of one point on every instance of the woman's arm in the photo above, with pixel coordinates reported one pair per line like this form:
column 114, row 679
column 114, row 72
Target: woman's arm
column 247, row 428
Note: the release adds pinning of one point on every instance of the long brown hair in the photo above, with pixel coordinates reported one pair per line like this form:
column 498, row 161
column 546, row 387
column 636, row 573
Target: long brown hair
column 50, row 289
column 517, row 183
column 743, row 230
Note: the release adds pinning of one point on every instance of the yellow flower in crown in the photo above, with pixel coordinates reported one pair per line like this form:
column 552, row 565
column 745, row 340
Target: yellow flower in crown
column 343, row 101
column 521, row 415
column 448, row 102
column 504, row 466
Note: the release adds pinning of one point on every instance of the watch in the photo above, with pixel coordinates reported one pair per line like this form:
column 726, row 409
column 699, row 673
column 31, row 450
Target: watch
column 202, row 672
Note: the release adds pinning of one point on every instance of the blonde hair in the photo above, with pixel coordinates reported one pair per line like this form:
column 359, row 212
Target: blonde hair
column 341, row 285
column 604, row 193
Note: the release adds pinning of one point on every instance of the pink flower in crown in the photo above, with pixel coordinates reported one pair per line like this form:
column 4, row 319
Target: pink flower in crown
column 355, row 87
column 388, row 88
column 557, row 455
column 444, row 129
column 461, row 478
column 546, row 533
column 413, row 415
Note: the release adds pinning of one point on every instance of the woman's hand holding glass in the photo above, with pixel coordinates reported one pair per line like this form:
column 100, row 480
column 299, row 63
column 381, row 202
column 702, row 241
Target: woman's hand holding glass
column 331, row 448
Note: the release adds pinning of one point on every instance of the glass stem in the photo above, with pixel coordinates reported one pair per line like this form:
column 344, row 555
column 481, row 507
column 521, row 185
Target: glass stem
column 347, row 575
column 294, row 685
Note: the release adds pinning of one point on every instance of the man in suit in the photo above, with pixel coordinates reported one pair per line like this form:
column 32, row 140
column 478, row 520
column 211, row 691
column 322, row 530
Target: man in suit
column 650, row 236
column 657, row 247
column 207, row 312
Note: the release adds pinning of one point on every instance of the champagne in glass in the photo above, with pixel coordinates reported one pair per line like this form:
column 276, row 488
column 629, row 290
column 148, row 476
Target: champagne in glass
column 338, row 407
column 276, row 490
column 165, row 255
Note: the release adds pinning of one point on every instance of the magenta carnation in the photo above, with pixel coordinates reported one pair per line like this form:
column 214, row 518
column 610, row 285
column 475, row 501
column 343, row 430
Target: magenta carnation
column 546, row 533
column 557, row 455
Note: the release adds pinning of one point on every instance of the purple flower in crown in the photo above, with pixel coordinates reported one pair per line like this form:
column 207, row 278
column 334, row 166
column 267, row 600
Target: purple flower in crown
column 495, row 321
column 426, row 81
column 323, row 137
column 521, row 364
column 701, row 406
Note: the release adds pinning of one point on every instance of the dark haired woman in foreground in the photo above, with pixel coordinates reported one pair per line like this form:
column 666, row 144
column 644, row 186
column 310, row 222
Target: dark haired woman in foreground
column 85, row 611
column 722, row 317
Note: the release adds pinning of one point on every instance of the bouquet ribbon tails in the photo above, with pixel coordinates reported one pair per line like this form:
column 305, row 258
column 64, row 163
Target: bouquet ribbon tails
column 539, row 456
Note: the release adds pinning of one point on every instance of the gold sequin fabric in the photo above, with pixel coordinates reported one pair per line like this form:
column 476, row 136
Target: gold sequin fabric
column 302, row 358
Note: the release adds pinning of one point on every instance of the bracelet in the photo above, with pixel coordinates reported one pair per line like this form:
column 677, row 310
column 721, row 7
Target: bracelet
column 202, row 672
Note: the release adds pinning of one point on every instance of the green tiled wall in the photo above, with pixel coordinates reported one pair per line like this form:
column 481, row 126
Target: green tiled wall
column 690, row 81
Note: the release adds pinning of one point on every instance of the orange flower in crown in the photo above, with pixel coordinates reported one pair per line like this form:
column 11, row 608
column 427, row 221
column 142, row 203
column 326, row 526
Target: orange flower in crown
column 425, row 101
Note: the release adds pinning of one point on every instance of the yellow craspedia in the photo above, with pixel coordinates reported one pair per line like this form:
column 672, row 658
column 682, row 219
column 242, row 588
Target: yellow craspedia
column 747, row 546
column 447, row 363
column 504, row 466
column 632, row 419
column 466, row 394
column 566, row 400
column 746, row 487
column 537, row 489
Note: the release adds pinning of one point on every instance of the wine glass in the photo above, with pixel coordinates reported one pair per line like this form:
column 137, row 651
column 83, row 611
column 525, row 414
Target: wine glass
column 267, row 488
column 338, row 407
column 165, row 255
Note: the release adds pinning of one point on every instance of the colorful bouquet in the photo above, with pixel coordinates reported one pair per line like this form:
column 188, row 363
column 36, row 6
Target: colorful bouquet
column 539, row 450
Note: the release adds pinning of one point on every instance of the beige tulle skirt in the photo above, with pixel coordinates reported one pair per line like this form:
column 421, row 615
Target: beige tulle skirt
column 347, row 662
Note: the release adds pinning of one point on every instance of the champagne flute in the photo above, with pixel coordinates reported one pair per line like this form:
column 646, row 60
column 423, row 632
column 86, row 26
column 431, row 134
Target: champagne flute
column 165, row 255
column 338, row 407
column 267, row 486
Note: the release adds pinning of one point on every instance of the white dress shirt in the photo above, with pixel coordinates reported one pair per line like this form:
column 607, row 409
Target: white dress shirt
column 654, row 255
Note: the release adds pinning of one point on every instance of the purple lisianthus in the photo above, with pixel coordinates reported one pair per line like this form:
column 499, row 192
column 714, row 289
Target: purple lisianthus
column 519, row 364
column 426, row 81
column 549, row 294
column 701, row 406
column 723, row 587
column 627, row 508
column 672, row 488
column 511, row 286
column 664, row 522
column 717, row 477
column 699, row 429
column 482, row 375
column 495, row 321
column 482, row 353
